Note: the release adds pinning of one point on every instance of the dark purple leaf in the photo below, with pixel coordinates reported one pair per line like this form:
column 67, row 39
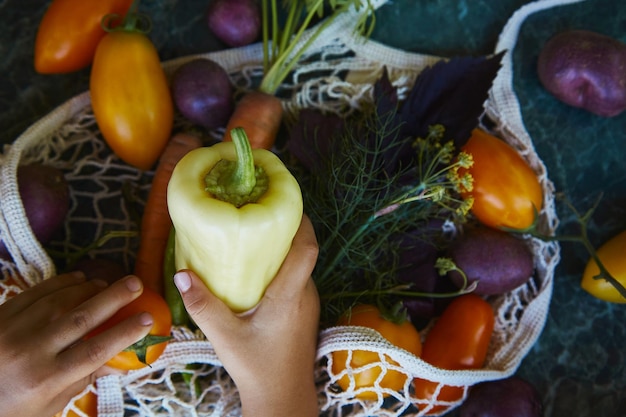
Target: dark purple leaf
column 451, row 93
column 311, row 138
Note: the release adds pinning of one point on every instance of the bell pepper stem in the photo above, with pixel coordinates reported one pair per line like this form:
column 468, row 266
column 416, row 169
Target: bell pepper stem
column 242, row 180
column 238, row 182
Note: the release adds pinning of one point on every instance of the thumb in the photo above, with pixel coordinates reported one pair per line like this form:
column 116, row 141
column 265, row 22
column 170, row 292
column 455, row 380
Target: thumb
column 209, row 313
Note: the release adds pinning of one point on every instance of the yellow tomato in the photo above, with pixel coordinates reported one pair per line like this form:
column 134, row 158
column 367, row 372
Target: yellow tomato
column 131, row 98
column 506, row 191
column 87, row 404
column 612, row 254
column 403, row 335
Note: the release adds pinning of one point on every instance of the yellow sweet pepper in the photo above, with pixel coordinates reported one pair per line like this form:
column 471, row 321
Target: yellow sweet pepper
column 235, row 211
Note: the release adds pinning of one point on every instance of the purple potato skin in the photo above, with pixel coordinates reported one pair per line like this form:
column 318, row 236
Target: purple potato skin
column 234, row 22
column 203, row 93
column 507, row 397
column 498, row 260
column 585, row 69
column 45, row 195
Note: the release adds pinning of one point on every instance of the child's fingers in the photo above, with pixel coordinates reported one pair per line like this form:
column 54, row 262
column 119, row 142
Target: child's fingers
column 47, row 287
column 89, row 355
column 296, row 270
column 83, row 318
column 207, row 311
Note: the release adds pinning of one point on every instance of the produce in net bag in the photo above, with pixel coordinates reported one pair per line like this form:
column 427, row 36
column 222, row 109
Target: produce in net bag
column 375, row 140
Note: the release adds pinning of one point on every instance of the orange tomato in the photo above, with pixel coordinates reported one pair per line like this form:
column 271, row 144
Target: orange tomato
column 156, row 305
column 506, row 190
column 403, row 335
column 459, row 339
column 9, row 287
column 131, row 98
column 87, row 404
column 611, row 254
column 69, row 33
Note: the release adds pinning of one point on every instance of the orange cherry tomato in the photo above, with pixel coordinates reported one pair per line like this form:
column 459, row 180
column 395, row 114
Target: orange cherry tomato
column 87, row 404
column 69, row 33
column 403, row 335
column 506, row 191
column 612, row 255
column 131, row 98
column 10, row 287
column 156, row 305
column 459, row 339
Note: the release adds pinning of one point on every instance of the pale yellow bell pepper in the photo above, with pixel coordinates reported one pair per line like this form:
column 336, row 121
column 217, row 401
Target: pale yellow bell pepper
column 234, row 221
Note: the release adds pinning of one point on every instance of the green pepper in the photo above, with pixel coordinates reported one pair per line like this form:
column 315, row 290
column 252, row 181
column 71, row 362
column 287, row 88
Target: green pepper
column 235, row 211
column 172, row 296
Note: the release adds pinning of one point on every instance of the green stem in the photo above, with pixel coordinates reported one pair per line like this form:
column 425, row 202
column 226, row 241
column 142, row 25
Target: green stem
column 133, row 21
column 243, row 179
column 395, row 291
column 282, row 62
column 73, row 257
column 266, row 37
column 237, row 182
column 341, row 254
column 583, row 239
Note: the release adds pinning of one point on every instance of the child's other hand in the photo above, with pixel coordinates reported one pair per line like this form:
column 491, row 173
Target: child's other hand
column 43, row 360
column 270, row 351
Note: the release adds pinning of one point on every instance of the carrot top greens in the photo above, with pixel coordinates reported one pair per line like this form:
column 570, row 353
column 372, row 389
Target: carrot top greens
column 282, row 35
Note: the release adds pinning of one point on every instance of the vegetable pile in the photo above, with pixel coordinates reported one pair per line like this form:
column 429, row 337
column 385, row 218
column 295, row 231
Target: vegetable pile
column 422, row 215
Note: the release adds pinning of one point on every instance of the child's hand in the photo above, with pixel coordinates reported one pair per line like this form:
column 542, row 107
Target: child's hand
column 270, row 351
column 43, row 360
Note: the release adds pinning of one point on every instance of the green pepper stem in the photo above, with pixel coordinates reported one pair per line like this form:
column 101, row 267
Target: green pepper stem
column 242, row 180
column 237, row 182
column 132, row 21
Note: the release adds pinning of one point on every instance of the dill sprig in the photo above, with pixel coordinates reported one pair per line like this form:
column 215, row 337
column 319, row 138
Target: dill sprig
column 361, row 208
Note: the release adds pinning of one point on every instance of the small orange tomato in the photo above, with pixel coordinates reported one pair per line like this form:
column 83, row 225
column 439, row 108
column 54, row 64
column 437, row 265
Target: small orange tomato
column 458, row 340
column 402, row 335
column 156, row 305
column 87, row 404
column 612, row 254
column 131, row 98
column 506, row 191
column 69, row 33
column 10, row 287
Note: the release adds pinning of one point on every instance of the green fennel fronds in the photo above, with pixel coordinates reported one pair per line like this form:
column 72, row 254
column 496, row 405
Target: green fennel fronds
column 282, row 35
column 360, row 210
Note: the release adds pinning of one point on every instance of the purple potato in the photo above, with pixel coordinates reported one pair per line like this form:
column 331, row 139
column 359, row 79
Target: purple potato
column 585, row 69
column 234, row 22
column 507, row 397
column 498, row 260
column 203, row 93
column 45, row 195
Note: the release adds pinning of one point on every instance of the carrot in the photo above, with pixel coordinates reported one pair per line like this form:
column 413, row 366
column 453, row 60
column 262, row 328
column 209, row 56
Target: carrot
column 156, row 222
column 260, row 115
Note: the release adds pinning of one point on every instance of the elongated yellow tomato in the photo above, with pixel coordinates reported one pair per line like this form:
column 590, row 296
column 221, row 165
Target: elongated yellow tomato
column 612, row 254
column 131, row 98
column 506, row 191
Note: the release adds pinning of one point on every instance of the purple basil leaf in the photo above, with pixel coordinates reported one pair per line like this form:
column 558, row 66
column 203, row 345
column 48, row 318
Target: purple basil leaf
column 451, row 93
column 311, row 137
column 385, row 94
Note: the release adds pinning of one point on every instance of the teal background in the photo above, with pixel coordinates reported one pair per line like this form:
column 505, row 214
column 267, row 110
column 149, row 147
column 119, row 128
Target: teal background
column 578, row 364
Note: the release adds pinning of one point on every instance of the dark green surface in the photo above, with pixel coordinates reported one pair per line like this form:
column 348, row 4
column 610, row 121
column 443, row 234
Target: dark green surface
column 578, row 364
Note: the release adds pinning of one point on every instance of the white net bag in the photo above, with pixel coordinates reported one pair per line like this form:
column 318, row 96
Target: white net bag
column 337, row 75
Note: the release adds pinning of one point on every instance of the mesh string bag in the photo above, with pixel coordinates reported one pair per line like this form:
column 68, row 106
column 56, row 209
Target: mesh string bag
column 335, row 75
